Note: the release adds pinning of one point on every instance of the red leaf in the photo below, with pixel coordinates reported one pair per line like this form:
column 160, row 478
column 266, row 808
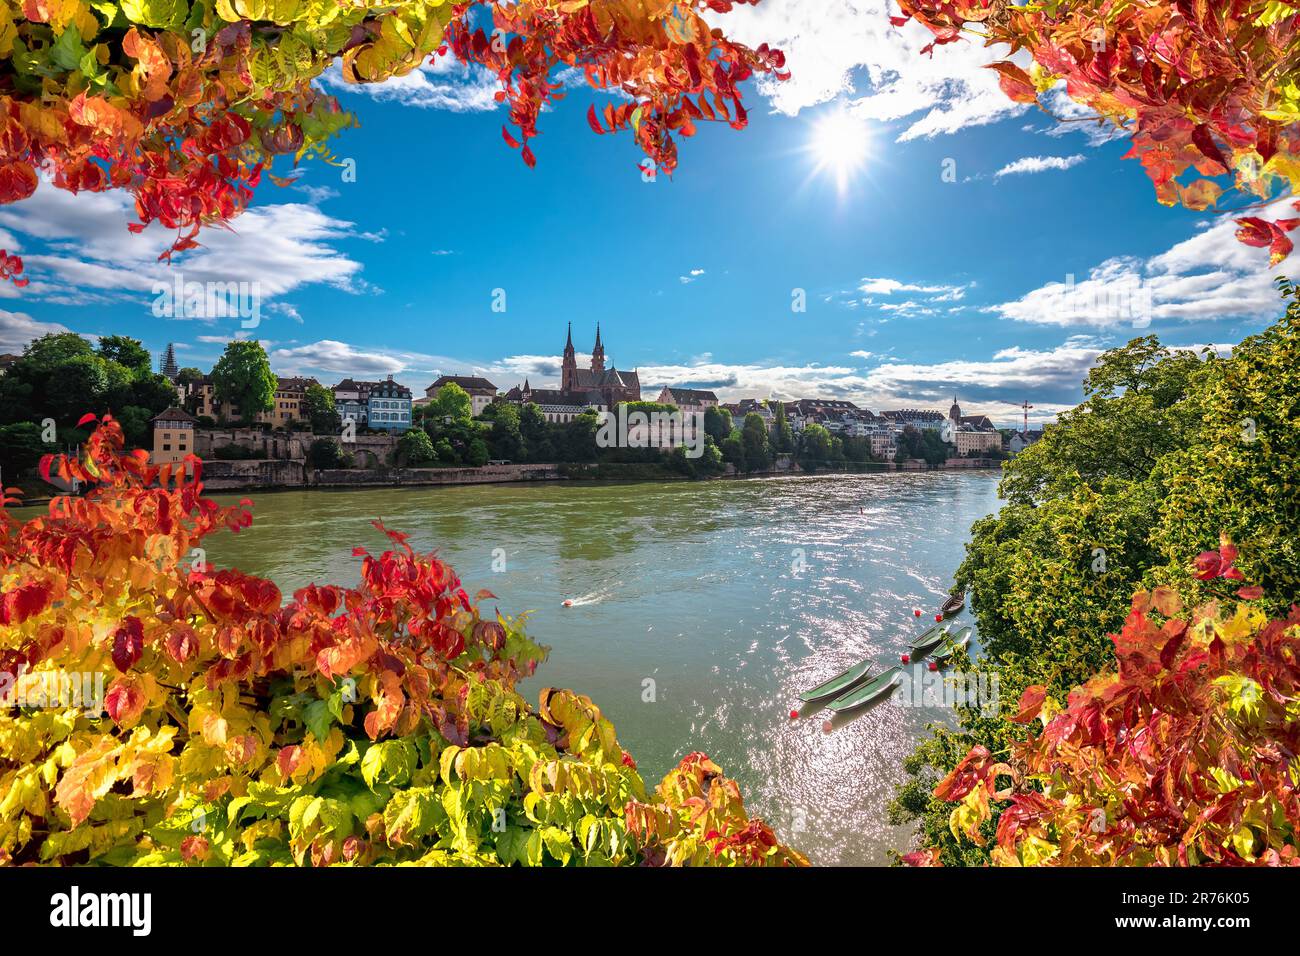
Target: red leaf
column 510, row 140
column 1254, row 232
column 128, row 643
column 88, row 417
column 1203, row 141
column 592, row 121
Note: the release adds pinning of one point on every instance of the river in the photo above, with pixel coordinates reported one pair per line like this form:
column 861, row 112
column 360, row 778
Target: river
column 700, row 610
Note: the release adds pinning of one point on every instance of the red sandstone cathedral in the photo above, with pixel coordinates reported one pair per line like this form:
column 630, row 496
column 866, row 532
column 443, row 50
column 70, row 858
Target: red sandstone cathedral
column 580, row 387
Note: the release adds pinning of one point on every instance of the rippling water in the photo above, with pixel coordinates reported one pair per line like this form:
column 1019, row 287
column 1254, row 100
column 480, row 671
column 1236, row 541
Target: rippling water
column 699, row 588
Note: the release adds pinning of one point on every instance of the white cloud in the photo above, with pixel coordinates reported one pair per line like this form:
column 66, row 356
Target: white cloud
column 1207, row 277
column 91, row 256
column 860, row 353
column 691, row 276
column 17, row 329
column 444, row 84
column 849, row 47
column 1038, row 164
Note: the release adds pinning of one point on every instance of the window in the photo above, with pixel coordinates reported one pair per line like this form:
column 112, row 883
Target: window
column 167, row 447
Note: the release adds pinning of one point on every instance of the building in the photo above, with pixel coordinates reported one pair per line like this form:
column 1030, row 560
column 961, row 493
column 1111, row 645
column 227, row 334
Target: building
column 614, row 386
column 7, row 359
column 173, row 436
column 920, row 419
column 482, row 393
column 1021, row 440
column 286, row 408
column 688, row 400
column 974, row 435
column 352, row 400
column 389, row 406
column 555, row 405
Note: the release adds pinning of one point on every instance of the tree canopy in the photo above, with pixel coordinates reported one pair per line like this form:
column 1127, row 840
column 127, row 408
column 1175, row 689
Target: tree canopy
column 188, row 104
column 243, row 377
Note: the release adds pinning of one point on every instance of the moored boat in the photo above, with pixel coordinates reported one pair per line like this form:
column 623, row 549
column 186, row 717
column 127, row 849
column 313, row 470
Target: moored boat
column 959, row 640
column 873, row 689
column 956, row 601
column 839, row 683
column 927, row 637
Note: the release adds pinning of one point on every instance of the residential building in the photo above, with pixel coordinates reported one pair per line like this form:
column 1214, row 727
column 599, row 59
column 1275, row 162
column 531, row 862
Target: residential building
column 173, row 436
column 352, row 400
column 482, row 393
column 7, row 359
column 389, row 406
column 688, row 400
column 1021, row 440
column 920, row 419
column 286, row 407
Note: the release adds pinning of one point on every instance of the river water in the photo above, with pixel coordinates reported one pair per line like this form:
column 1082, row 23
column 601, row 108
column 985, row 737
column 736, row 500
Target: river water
column 700, row 610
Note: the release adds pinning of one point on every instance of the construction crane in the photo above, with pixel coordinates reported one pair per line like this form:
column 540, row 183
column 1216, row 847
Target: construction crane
column 1026, row 406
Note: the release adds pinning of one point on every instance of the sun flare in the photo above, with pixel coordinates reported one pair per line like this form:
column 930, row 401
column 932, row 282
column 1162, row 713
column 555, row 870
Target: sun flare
column 840, row 146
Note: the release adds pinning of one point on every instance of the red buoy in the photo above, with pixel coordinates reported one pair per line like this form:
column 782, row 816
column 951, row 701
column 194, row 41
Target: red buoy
column 938, row 617
column 916, row 611
column 933, row 666
column 906, row 658
column 826, row 727
column 794, row 715
column 568, row 604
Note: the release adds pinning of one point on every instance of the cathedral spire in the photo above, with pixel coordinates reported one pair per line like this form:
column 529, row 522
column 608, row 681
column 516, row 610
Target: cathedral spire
column 569, row 367
column 598, row 353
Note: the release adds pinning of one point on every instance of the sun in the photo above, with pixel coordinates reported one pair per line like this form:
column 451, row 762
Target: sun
column 840, row 146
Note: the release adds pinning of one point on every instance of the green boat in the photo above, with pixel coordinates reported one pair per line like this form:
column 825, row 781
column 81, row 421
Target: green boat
column 838, row 684
column 871, row 690
column 960, row 639
column 930, row 637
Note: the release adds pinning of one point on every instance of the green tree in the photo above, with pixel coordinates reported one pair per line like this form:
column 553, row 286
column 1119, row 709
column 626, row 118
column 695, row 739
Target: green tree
column 758, row 453
column 733, row 450
column 326, row 453
column 416, row 448
column 127, row 352
column 452, row 402
column 74, row 387
column 505, row 439
column 21, row 449
column 243, row 377
column 477, row 454
column 536, row 432
column 814, row 447
column 784, row 435
column 717, row 423
column 318, row 409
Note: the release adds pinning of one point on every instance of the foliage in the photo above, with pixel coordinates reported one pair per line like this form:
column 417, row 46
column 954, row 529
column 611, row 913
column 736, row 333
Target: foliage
column 243, row 377
column 922, row 443
column 415, row 448
column 60, row 374
column 1184, row 754
column 452, row 402
column 318, row 410
column 1111, row 501
column 327, row 453
column 782, row 433
column 187, row 103
column 1209, row 88
column 717, row 423
column 20, row 447
column 377, row 724
column 758, row 452
column 814, row 447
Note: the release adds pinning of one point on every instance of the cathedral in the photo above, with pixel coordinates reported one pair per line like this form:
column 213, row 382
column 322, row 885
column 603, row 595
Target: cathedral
column 581, row 388
column 614, row 386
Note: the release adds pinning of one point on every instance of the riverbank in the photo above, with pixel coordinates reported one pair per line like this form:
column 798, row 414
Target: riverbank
column 272, row 475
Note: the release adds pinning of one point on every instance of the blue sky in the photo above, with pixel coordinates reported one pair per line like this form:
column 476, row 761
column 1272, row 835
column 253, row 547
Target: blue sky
column 918, row 285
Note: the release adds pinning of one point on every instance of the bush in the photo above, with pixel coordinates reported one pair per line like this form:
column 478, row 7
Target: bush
column 326, row 453
column 233, row 453
column 366, row 725
column 1179, row 754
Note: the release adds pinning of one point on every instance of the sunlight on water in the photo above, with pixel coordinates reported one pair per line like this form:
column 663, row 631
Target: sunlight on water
column 698, row 587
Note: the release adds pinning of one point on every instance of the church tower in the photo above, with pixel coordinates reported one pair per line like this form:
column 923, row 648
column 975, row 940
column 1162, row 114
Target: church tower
column 598, row 353
column 569, row 368
column 954, row 413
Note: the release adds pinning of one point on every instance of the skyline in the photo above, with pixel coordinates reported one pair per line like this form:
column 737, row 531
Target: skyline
column 909, row 293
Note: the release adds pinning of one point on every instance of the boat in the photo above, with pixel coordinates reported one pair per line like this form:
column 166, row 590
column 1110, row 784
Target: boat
column 925, row 644
column 929, row 637
column 954, row 604
column 838, row 684
column 958, row 640
column 861, row 696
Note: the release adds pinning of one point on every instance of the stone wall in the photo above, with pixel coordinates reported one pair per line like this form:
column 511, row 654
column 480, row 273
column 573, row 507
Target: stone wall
column 355, row 477
column 370, row 451
column 241, row 475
